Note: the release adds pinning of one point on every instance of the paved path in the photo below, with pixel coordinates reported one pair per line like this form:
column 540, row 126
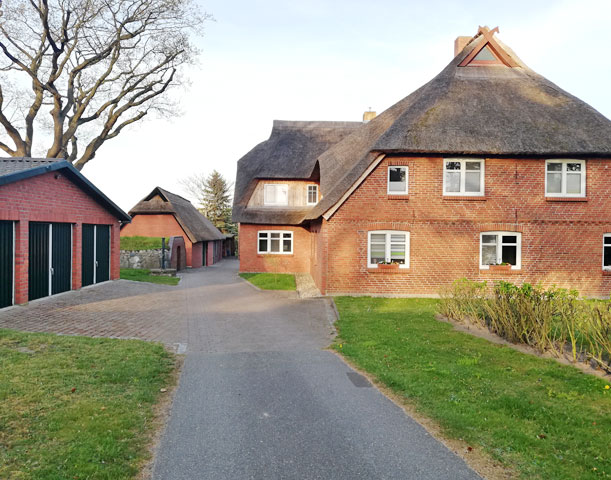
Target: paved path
column 259, row 398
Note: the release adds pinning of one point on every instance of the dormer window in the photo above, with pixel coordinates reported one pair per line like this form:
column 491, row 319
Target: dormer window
column 276, row 194
column 397, row 180
column 312, row 195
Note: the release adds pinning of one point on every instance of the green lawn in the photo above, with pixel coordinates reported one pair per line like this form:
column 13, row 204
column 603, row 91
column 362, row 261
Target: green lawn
column 540, row 418
column 271, row 281
column 75, row 407
column 141, row 243
column 144, row 275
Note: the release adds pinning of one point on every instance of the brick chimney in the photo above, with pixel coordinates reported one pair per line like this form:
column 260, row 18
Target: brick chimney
column 460, row 43
column 368, row 115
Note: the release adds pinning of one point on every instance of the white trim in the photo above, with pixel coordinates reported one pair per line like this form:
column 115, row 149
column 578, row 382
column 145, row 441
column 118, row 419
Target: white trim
column 308, row 193
column 329, row 213
column 266, row 202
column 281, row 240
column 395, row 192
column 388, row 234
column 564, row 162
column 50, row 259
column 14, row 261
column 606, row 267
column 95, row 253
column 462, row 192
column 499, row 250
column 72, row 252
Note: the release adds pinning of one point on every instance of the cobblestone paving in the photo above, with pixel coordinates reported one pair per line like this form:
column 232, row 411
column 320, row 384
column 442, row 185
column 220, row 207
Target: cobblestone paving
column 119, row 309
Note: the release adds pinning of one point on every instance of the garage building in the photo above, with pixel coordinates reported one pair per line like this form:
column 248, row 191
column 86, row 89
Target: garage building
column 58, row 232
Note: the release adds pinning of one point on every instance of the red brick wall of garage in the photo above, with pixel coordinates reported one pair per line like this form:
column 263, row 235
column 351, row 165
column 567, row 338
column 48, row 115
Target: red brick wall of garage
column 44, row 198
column 158, row 225
column 251, row 261
column 561, row 240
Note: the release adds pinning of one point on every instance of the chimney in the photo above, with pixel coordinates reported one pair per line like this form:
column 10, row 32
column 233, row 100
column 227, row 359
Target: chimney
column 368, row 115
column 460, row 43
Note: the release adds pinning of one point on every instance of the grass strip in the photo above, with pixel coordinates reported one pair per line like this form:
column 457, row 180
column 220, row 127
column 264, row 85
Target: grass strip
column 540, row 418
column 142, row 243
column 144, row 275
column 271, row 281
column 76, row 407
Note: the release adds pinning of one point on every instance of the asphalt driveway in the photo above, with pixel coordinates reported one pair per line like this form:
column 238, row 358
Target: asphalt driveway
column 259, row 398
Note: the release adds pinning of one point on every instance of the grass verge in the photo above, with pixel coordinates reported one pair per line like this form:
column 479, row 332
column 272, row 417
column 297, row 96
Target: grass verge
column 271, row 281
column 144, row 275
column 76, row 407
column 539, row 418
column 141, row 243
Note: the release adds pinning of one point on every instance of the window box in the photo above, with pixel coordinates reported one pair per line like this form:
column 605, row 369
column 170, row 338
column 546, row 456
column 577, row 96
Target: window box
column 388, row 266
column 500, row 268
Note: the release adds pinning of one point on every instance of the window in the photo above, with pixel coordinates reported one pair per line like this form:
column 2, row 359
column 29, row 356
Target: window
column 607, row 251
column 388, row 246
column 397, row 180
column 565, row 178
column 276, row 194
column 463, row 177
column 312, row 194
column 277, row 242
column 500, row 247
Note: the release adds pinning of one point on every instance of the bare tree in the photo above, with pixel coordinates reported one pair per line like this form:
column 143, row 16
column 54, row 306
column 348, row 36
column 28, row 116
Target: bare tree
column 86, row 69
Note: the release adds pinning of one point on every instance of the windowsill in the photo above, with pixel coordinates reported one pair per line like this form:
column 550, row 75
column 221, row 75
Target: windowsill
column 274, row 254
column 566, row 199
column 606, row 273
column 469, row 198
column 393, row 196
column 511, row 271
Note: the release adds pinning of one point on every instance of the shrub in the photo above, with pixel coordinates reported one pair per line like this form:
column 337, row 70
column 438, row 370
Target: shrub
column 553, row 320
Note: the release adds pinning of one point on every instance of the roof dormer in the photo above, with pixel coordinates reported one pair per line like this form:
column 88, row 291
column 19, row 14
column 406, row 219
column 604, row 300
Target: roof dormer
column 488, row 52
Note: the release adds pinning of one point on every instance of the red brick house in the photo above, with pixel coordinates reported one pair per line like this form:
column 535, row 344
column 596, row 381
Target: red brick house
column 165, row 214
column 489, row 171
column 58, row 232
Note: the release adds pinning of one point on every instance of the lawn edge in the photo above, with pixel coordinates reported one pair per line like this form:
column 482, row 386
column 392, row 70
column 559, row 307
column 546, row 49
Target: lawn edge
column 477, row 460
column 161, row 416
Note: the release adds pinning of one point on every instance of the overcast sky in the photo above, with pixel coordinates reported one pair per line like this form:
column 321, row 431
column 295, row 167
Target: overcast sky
column 332, row 60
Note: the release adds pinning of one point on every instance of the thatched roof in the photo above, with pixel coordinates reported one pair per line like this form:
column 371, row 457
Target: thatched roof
column 481, row 111
column 289, row 153
column 197, row 227
column 484, row 110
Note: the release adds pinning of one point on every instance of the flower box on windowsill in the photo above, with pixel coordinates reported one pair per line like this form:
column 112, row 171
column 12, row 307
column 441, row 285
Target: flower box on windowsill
column 388, row 266
column 500, row 268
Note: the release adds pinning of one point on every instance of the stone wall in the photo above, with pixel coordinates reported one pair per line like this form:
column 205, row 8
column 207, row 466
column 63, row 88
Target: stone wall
column 144, row 258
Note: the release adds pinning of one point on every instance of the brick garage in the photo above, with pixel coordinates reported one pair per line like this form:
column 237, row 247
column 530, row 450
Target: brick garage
column 488, row 172
column 35, row 193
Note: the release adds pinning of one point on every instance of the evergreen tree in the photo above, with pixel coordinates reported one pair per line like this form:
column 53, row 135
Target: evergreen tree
column 213, row 195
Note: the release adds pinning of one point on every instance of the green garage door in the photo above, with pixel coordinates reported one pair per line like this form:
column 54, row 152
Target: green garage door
column 7, row 256
column 96, row 254
column 50, row 254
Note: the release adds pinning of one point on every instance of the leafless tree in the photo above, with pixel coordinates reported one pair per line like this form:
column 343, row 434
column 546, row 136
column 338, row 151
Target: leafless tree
column 86, row 69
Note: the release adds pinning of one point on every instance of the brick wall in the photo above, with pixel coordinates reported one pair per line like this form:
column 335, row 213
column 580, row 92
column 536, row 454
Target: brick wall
column 251, row 261
column 561, row 239
column 197, row 255
column 45, row 198
column 160, row 225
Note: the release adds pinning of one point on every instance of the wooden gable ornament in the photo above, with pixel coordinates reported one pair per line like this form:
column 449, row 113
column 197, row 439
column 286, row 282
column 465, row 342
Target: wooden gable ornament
column 489, row 52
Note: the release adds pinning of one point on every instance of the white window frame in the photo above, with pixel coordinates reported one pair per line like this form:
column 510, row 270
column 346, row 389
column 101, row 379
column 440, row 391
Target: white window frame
column 308, row 194
column 266, row 201
column 499, row 248
column 462, row 192
column 606, row 267
column 269, row 238
column 563, row 193
column 394, row 192
column 388, row 233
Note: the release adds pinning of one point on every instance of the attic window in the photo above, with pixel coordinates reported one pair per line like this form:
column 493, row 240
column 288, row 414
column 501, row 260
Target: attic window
column 276, row 194
column 489, row 52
